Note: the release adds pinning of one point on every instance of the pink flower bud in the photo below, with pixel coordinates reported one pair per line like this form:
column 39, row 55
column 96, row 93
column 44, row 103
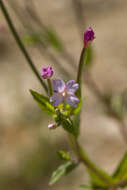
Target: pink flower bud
column 52, row 126
column 47, row 72
column 88, row 37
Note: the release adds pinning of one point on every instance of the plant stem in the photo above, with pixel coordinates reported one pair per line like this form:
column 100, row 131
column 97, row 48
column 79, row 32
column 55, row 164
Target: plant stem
column 49, row 87
column 80, row 70
column 21, row 46
column 82, row 157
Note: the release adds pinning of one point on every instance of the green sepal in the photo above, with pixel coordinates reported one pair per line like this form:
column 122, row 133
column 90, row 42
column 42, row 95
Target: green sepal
column 76, row 110
column 62, row 170
column 67, row 124
column 63, row 155
column 73, row 111
column 44, row 103
column 70, row 125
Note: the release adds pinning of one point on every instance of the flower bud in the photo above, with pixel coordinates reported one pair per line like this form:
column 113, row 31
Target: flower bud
column 52, row 126
column 47, row 72
column 88, row 37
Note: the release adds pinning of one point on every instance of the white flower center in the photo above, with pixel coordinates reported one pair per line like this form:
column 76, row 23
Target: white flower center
column 64, row 94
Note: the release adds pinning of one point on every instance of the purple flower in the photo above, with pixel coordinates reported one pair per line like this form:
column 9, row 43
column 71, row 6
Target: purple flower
column 88, row 37
column 64, row 92
column 47, row 72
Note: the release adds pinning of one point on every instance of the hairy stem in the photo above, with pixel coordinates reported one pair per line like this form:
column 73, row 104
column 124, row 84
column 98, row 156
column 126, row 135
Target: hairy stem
column 20, row 44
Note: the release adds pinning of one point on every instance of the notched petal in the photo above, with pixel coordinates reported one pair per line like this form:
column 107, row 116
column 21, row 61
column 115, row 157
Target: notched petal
column 69, row 84
column 56, row 99
column 58, row 85
column 73, row 89
column 72, row 101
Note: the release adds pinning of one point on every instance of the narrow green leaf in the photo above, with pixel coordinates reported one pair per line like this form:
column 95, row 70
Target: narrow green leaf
column 62, row 170
column 43, row 103
column 121, row 171
column 63, row 155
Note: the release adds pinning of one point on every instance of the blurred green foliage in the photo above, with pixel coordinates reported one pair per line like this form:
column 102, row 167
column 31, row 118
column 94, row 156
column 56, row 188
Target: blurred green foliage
column 47, row 37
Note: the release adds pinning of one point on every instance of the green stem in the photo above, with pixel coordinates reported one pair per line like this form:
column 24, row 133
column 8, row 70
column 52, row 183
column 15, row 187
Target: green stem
column 82, row 157
column 80, row 70
column 20, row 44
column 49, row 87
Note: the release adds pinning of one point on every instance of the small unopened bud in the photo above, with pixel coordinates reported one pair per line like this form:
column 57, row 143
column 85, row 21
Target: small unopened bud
column 52, row 126
column 88, row 37
column 47, row 72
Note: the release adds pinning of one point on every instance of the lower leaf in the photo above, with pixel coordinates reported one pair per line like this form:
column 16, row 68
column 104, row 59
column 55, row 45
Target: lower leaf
column 62, row 170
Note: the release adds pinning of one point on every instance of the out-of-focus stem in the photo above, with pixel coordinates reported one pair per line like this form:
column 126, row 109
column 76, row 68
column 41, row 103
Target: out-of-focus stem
column 79, row 16
column 21, row 46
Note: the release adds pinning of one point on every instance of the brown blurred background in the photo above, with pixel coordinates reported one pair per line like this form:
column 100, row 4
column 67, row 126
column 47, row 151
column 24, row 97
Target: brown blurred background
column 27, row 147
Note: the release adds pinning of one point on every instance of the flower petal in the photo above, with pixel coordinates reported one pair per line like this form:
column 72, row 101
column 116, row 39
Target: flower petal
column 73, row 88
column 72, row 100
column 58, row 85
column 56, row 99
column 49, row 71
column 69, row 84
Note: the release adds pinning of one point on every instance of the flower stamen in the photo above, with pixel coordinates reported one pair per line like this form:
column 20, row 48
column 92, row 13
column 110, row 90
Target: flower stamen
column 64, row 94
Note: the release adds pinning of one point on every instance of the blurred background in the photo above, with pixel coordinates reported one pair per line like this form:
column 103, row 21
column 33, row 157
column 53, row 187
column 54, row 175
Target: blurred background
column 52, row 32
